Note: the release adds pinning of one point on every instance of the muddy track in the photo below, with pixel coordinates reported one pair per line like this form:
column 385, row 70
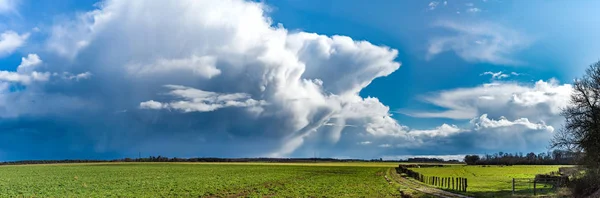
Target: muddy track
column 417, row 186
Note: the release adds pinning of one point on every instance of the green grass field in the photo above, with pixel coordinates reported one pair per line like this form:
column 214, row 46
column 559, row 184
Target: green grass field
column 198, row 179
column 241, row 179
column 492, row 181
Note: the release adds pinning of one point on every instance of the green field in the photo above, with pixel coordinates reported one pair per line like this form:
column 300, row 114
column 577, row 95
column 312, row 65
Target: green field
column 198, row 179
column 491, row 181
column 242, row 179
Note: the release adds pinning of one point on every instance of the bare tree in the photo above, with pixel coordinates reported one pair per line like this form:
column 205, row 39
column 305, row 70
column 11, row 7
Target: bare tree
column 581, row 131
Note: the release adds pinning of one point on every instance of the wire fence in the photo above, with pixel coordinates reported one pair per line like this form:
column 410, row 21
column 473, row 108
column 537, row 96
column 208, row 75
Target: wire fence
column 536, row 186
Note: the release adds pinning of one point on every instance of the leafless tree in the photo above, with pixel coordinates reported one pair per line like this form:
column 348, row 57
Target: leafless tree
column 581, row 131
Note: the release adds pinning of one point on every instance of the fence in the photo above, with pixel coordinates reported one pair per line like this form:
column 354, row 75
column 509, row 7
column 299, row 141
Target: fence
column 449, row 183
column 535, row 186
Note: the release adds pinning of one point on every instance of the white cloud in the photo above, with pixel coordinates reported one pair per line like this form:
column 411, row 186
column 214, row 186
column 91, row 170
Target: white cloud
column 226, row 56
column 432, row 5
column 365, row 143
column 195, row 100
column 542, row 100
column 444, row 130
column 84, row 75
column 481, row 42
column 29, row 63
column 14, row 77
column 499, row 75
column 8, row 6
column 10, row 41
column 473, row 10
column 483, row 122
column 482, row 134
column 151, row 104
column 25, row 73
column 201, row 66
column 76, row 77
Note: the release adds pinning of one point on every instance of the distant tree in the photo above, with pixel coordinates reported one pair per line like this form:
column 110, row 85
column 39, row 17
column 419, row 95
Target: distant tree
column 471, row 159
column 581, row 131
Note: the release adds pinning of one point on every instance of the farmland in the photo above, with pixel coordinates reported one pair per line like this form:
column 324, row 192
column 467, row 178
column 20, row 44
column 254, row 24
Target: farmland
column 198, row 179
column 255, row 179
column 490, row 181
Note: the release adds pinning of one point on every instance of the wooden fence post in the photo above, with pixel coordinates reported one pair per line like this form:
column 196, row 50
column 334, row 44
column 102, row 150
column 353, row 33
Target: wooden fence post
column 458, row 183
column 534, row 187
column 443, row 182
column 466, row 184
column 513, row 186
column 452, row 183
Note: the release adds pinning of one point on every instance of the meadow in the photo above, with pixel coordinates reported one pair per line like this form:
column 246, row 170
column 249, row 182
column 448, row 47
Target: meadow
column 199, row 180
column 255, row 179
column 492, row 181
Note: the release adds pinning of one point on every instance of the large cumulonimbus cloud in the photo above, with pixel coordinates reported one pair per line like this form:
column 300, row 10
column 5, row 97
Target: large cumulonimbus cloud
column 202, row 78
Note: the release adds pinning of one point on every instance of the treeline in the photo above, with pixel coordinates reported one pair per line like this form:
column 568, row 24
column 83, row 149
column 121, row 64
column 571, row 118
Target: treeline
column 214, row 159
column 175, row 159
column 429, row 160
column 556, row 157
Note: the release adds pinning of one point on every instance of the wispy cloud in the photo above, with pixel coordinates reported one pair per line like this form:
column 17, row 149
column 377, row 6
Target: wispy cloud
column 473, row 10
column 479, row 42
column 8, row 6
column 432, row 5
column 385, row 145
column 542, row 100
column 495, row 76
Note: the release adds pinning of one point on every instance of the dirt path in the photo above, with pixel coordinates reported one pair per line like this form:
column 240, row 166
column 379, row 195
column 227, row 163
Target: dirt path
column 422, row 187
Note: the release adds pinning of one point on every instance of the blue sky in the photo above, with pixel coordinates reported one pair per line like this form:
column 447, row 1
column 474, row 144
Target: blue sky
column 349, row 79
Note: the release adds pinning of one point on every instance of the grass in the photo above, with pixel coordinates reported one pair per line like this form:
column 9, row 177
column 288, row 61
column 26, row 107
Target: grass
column 199, row 180
column 492, row 181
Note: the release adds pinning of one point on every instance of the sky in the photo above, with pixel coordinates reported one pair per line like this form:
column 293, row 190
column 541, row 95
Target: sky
column 287, row 78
